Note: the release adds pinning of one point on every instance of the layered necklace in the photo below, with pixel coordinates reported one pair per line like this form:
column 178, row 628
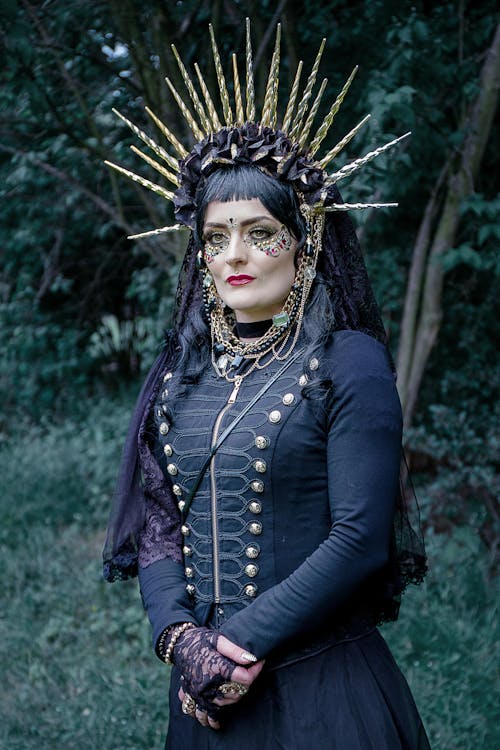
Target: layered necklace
column 278, row 339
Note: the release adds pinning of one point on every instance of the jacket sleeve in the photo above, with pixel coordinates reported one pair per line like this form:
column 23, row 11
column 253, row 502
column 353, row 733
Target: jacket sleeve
column 363, row 454
column 164, row 595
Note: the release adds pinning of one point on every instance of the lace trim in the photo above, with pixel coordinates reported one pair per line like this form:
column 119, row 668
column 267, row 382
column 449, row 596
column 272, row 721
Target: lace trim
column 161, row 535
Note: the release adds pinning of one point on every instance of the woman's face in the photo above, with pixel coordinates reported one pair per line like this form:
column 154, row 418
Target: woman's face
column 250, row 255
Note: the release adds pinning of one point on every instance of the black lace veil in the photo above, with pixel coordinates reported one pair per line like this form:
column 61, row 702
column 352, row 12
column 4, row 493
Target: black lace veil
column 342, row 268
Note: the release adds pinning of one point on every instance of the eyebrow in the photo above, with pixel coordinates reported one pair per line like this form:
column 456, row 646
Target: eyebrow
column 245, row 223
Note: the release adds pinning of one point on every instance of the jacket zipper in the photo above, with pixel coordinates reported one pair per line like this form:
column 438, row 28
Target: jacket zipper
column 213, row 488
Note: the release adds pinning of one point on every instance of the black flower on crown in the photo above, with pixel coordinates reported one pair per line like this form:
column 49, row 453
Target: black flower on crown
column 268, row 149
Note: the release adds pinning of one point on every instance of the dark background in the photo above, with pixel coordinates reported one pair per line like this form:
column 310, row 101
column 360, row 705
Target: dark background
column 82, row 311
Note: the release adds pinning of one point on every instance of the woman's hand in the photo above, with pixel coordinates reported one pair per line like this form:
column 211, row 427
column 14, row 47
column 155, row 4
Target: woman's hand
column 242, row 675
column 202, row 667
column 209, row 662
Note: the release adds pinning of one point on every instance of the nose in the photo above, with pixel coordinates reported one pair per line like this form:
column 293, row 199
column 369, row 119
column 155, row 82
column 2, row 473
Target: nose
column 236, row 251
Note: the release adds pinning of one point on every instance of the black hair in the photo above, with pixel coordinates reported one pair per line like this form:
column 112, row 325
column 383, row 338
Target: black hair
column 245, row 182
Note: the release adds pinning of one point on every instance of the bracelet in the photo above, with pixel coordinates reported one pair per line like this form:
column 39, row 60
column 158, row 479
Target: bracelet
column 160, row 646
column 174, row 634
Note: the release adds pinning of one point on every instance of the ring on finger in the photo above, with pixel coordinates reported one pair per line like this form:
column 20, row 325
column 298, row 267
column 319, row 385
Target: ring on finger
column 188, row 705
column 233, row 688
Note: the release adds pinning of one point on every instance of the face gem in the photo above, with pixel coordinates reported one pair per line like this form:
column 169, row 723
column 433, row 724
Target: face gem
column 270, row 242
column 273, row 246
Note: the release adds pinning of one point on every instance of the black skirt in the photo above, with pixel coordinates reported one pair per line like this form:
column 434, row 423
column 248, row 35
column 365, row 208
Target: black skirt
column 351, row 696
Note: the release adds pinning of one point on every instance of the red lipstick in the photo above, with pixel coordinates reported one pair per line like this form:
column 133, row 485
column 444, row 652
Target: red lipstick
column 239, row 280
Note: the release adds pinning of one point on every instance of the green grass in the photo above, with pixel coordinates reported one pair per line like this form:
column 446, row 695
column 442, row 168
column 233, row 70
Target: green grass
column 446, row 642
column 78, row 671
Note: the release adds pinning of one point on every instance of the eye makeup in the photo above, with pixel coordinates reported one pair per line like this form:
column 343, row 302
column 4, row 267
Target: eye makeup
column 210, row 251
column 272, row 245
column 268, row 240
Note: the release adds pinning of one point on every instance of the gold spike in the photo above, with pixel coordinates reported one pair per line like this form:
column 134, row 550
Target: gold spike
column 268, row 110
column 355, row 206
column 168, row 134
column 216, row 123
column 145, row 183
column 195, row 128
column 348, row 169
column 275, row 99
column 224, row 96
column 250, row 87
column 154, row 232
column 302, row 108
column 240, row 117
column 159, row 168
column 159, row 151
column 291, row 101
column 325, row 125
column 200, row 111
column 312, row 114
column 343, row 143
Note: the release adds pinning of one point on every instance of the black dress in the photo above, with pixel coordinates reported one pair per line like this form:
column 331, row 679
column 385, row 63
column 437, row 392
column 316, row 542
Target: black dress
column 287, row 548
column 350, row 697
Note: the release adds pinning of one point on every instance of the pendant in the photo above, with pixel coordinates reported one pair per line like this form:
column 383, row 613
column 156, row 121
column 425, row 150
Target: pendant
column 223, row 362
column 309, row 273
column 237, row 360
column 280, row 320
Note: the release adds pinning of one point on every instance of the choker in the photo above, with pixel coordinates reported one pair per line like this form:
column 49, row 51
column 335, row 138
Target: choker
column 253, row 330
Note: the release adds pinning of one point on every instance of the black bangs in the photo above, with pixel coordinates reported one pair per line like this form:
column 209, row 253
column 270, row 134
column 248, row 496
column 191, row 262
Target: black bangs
column 244, row 183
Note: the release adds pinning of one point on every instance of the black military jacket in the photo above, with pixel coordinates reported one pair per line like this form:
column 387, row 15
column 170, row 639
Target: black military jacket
column 290, row 528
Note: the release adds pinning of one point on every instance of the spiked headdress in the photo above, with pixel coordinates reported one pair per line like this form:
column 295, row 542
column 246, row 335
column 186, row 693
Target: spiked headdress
column 286, row 150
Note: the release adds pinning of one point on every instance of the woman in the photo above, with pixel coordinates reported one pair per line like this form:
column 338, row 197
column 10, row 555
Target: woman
column 268, row 527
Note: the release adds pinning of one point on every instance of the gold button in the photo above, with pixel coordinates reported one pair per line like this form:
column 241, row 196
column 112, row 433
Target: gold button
column 189, row 572
column 275, row 416
column 190, row 588
column 167, row 449
column 185, row 529
column 251, row 570
column 257, row 485
column 303, row 380
column 251, row 589
column 255, row 528
column 255, row 507
column 164, row 394
column 167, row 376
column 261, row 442
column 181, row 505
column 313, row 363
column 187, row 550
column 164, row 428
column 260, row 466
column 177, row 489
column 288, row 399
column 252, row 551
column 172, row 469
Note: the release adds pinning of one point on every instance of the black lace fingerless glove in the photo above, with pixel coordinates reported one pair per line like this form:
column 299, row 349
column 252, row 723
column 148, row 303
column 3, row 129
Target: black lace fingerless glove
column 203, row 668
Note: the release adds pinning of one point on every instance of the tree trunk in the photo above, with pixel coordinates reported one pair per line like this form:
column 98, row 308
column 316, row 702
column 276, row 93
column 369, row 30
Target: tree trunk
column 422, row 318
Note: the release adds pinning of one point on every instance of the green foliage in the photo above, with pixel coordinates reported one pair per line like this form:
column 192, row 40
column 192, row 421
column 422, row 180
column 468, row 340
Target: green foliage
column 63, row 215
